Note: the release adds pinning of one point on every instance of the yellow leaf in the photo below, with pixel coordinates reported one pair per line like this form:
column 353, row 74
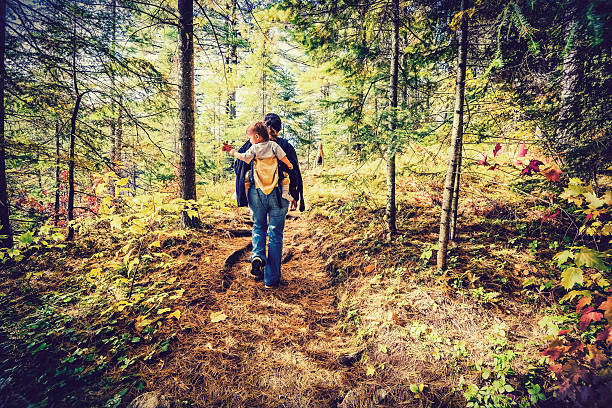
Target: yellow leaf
column 177, row 295
column 216, row 317
column 176, row 314
column 121, row 182
column 370, row 371
column 164, row 310
column 115, row 222
column 171, row 280
column 155, row 244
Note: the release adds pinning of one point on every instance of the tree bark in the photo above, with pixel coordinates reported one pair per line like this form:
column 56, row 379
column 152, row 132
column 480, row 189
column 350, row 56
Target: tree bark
column 455, row 146
column 232, row 61
column 187, row 109
column 390, row 213
column 56, row 207
column 73, row 120
column 5, row 229
column 455, row 206
column 569, row 82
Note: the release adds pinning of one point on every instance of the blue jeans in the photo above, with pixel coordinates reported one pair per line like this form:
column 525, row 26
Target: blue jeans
column 268, row 222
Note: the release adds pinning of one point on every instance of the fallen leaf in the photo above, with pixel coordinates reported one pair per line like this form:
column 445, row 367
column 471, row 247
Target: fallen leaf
column 370, row 268
column 176, row 314
column 370, row 371
column 162, row 311
column 216, row 317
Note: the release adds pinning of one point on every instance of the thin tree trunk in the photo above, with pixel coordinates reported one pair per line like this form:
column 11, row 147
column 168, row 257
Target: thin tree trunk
column 5, row 229
column 187, row 109
column 455, row 206
column 390, row 213
column 56, row 207
column 232, row 61
column 73, row 120
column 456, row 137
column 117, row 119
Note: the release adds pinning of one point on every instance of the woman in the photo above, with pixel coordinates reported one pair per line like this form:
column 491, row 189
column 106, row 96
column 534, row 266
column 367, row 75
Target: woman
column 269, row 210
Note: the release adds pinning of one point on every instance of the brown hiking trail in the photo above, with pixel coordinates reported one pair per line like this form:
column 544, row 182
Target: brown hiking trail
column 276, row 347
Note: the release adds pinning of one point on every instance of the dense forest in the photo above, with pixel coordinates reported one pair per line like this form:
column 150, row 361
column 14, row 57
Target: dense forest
column 456, row 164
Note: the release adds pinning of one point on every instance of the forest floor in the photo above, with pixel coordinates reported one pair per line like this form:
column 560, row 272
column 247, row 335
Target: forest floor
column 357, row 321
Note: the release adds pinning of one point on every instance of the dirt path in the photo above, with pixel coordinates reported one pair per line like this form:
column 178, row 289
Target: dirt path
column 276, row 347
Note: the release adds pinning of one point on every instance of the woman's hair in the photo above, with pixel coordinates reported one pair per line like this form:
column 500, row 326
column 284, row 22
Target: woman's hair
column 261, row 129
column 273, row 121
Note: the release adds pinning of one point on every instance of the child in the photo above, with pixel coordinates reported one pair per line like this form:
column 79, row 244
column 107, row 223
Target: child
column 266, row 153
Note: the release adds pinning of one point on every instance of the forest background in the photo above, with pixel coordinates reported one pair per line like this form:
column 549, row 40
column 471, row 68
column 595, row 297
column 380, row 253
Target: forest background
column 114, row 113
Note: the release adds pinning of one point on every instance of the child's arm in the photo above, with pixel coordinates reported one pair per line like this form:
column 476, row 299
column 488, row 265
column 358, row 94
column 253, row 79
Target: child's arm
column 281, row 155
column 287, row 162
column 246, row 157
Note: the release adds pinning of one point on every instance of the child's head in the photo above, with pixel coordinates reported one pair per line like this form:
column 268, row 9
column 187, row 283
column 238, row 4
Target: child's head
column 258, row 132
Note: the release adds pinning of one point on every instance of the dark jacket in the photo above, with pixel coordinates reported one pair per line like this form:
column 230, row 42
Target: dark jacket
column 296, row 187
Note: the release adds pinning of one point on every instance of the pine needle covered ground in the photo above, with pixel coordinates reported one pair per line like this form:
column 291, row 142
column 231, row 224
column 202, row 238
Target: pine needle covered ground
column 357, row 322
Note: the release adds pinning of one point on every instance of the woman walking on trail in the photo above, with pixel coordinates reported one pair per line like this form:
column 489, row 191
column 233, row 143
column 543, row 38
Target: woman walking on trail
column 269, row 210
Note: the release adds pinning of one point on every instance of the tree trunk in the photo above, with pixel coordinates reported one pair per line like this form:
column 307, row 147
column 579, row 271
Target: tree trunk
column 390, row 213
column 117, row 123
column 569, row 82
column 56, row 207
column 455, row 206
column 5, row 230
column 455, row 146
column 232, row 61
column 73, row 120
column 187, row 109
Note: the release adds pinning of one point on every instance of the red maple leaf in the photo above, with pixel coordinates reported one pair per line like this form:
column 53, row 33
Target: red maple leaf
column 483, row 162
column 562, row 332
column 552, row 174
column 496, row 149
column 574, row 372
column 596, row 356
column 588, row 317
column 554, row 353
column 550, row 215
column 605, row 336
column 586, row 300
column 589, row 216
column 606, row 306
column 534, row 165
column 522, row 150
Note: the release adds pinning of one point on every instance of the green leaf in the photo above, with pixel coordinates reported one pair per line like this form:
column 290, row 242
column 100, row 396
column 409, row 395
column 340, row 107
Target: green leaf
column 593, row 201
column 570, row 277
column 571, row 295
column 27, row 238
column 590, row 258
column 562, row 257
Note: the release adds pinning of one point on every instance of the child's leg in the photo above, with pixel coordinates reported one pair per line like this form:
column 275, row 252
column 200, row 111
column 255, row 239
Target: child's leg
column 285, row 187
